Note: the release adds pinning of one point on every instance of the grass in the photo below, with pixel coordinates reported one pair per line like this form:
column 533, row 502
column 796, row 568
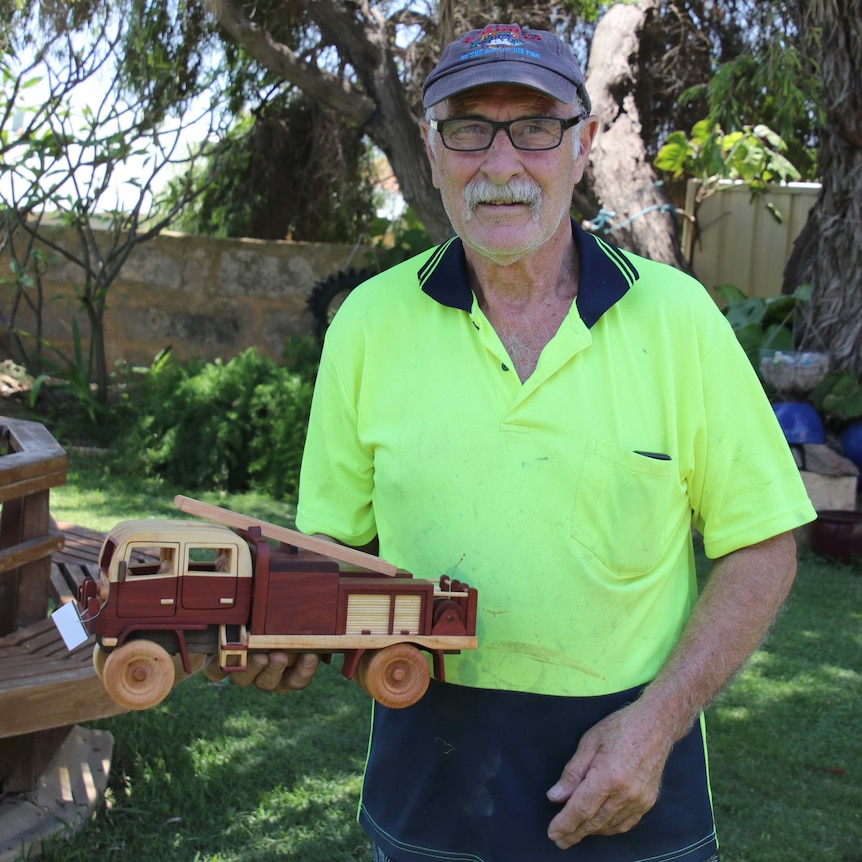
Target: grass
column 220, row 774
column 786, row 737
column 98, row 495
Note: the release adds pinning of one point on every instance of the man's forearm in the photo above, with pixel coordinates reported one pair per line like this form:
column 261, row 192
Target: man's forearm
column 742, row 596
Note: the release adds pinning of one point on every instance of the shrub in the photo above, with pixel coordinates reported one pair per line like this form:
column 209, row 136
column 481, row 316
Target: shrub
column 230, row 425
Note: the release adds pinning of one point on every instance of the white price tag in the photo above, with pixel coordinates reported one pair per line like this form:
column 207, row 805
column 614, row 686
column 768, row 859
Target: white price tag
column 69, row 624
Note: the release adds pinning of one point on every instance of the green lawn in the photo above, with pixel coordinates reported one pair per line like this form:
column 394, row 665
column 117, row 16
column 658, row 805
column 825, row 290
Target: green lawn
column 786, row 737
column 98, row 496
column 221, row 774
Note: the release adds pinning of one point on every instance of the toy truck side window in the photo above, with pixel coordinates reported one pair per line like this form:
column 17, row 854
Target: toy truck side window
column 211, row 559
column 143, row 561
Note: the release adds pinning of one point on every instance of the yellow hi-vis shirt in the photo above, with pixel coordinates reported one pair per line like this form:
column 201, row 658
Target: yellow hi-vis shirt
column 567, row 500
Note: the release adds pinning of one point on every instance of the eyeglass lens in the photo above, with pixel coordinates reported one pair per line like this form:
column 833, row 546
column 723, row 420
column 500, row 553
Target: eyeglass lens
column 535, row 133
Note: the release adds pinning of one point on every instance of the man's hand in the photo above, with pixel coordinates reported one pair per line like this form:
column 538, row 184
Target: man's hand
column 613, row 778
column 269, row 671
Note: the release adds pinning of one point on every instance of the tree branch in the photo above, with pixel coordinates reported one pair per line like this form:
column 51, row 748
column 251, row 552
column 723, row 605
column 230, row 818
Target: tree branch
column 277, row 57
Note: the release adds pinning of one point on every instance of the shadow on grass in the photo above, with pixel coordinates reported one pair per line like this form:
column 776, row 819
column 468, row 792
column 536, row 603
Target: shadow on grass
column 216, row 772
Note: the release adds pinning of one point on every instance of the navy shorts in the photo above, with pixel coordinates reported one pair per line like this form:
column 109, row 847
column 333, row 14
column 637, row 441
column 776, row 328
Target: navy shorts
column 461, row 776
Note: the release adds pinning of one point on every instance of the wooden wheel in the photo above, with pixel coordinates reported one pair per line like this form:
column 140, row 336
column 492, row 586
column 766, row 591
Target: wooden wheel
column 138, row 675
column 100, row 656
column 395, row 676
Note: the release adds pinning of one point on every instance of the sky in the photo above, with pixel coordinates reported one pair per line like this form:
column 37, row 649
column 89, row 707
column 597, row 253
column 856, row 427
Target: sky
column 86, row 103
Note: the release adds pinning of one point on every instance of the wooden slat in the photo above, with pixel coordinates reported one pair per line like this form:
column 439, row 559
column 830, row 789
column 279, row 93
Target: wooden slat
column 25, row 435
column 75, row 696
column 34, row 462
column 336, row 643
column 82, row 544
column 61, row 589
column 28, row 552
column 34, row 574
column 11, row 520
column 41, row 639
column 67, row 577
column 33, row 485
column 44, row 685
column 23, row 759
column 25, row 463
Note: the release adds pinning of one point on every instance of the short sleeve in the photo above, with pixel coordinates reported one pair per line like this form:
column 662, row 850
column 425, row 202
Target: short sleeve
column 745, row 487
column 337, row 474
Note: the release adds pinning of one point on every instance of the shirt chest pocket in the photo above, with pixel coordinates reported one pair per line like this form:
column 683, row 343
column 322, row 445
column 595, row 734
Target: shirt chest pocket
column 626, row 507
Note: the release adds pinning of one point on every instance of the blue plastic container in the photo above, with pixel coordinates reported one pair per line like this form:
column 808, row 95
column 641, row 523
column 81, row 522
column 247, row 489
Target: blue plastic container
column 851, row 443
column 799, row 421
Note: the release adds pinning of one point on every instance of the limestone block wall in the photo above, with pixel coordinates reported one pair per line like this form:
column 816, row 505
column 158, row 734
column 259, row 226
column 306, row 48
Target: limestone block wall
column 204, row 297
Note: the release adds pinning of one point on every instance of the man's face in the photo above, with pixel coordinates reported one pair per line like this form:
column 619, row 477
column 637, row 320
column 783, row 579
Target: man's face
column 505, row 203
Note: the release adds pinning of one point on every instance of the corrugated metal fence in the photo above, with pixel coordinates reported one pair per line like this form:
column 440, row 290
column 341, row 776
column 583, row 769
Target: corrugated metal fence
column 736, row 240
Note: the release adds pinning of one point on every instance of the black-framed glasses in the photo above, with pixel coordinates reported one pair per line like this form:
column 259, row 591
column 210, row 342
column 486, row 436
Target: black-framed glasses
column 471, row 134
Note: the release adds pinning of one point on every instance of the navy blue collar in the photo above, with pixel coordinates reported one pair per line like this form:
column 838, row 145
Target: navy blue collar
column 605, row 275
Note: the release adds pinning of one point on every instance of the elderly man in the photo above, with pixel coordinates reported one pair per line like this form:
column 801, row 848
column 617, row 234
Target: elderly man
column 547, row 416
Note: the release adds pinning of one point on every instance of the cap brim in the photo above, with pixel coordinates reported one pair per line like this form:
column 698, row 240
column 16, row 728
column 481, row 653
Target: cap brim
column 503, row 72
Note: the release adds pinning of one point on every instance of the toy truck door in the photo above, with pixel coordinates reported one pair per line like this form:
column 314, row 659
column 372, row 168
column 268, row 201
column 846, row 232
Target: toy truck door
column 147, row 589
column 209, row 576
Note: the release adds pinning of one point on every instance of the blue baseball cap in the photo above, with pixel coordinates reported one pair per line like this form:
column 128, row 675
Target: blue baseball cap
column 507, row 54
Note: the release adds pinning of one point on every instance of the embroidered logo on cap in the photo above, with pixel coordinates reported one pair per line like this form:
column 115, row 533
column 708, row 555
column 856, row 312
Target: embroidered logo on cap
column 496, row 37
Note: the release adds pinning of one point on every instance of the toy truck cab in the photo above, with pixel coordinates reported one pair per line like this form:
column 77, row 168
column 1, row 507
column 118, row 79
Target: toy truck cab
column 162, row 583
column 168, row 574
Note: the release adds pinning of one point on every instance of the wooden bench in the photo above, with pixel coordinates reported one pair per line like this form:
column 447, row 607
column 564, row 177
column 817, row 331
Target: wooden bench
column 44, row 689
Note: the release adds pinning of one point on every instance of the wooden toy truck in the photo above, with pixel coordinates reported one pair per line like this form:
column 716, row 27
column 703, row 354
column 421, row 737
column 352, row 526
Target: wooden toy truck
column 182, row 587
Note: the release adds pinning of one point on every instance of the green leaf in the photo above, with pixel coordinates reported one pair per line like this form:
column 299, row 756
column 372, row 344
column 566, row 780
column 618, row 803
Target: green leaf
column 784, row 168
column 839, row 395
column 780, row 308
column 31, row 82
column 819, row 393
column 745, row 313
column 803, row 293
column 673, row 155
column 702, row 131
column 751, row 339
column 730, row 293
column 777, row 337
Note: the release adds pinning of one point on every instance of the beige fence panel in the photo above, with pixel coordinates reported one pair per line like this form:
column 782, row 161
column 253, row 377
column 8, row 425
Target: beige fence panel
column 736, row 240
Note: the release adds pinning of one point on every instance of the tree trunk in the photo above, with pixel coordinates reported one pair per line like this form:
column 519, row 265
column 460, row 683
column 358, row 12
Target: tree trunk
column 620, row 185
column 828, row 252
column 394, row 128
column 99, row 371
